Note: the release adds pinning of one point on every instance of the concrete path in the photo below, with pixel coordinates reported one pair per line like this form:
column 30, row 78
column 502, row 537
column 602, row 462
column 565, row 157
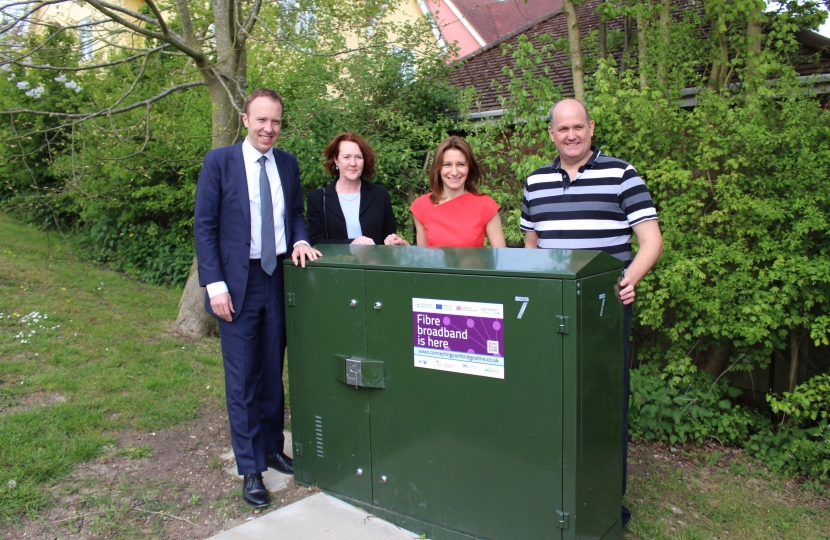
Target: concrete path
column 320, row 517
column 273, row 479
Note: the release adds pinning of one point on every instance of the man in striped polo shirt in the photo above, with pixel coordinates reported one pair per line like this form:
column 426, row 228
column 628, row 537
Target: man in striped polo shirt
column 587, row 200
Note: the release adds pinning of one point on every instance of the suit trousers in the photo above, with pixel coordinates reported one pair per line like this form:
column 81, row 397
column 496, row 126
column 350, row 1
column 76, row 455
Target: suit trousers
column 253, row 349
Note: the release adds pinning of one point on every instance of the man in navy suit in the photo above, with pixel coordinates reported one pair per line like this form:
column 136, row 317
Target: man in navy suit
column 241, row 240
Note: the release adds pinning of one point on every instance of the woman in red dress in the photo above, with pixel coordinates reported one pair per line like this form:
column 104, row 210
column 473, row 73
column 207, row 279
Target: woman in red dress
column 455, row 214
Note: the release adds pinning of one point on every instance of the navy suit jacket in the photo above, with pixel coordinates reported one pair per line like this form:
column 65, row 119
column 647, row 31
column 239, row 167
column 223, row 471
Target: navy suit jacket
column 222, row 218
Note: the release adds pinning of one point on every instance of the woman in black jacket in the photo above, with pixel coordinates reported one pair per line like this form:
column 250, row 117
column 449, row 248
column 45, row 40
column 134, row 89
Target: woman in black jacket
column 351, row 210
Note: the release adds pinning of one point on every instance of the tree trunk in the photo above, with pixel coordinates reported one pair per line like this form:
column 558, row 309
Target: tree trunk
column 795, row 341
column 665, row 35
column 753, row 44
column 713, row 360
column 720, row 64
column 641, row 46
column 575, row 43
column 193, row 321
column 226, row 120
column 603, row 35
column 626, row 52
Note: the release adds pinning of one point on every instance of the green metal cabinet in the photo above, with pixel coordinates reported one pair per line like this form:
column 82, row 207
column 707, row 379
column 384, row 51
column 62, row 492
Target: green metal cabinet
column 461, row 393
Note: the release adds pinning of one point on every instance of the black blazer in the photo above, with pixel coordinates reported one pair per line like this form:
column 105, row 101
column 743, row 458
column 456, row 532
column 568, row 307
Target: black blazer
column 328, row 226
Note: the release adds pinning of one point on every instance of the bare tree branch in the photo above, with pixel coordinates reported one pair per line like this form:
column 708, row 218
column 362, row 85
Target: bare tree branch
column 167, row 35
column 233, row 97
column 34, row 182
column 248, row 25
column 146, row 120
column 104, row 8
column 85, row 116
column 187, row 23
column 99, row 5
column 61, row 27
column 291, row 44
column 120, row 46
column 92, row 66
column 18, row 19
column 163, row 25
column 59, row 30
column 131, row 88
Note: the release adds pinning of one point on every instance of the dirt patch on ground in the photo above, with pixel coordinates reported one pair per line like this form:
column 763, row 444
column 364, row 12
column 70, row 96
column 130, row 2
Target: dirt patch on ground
column 31, row 401
column 168, row 484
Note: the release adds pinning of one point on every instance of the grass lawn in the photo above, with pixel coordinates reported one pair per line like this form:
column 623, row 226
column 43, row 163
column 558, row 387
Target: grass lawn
column 89, row 368
column 718, row 494
column 84, row 354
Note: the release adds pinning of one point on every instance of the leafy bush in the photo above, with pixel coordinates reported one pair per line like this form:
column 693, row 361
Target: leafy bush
column 800, row 442
column 141, row 250
column 679, row 405
column 29, row 185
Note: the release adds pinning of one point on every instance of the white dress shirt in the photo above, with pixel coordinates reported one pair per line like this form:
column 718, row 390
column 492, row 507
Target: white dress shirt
column 251, row 157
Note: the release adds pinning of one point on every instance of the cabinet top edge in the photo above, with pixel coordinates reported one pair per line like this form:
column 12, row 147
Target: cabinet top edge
column 515, row 262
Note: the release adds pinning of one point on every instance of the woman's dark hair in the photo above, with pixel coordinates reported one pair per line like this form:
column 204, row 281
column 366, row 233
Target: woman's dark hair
column 333, row 150
column 473, row 175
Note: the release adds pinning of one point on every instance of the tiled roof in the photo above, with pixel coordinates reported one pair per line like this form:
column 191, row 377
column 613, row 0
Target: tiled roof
column 813, row 58
column 483, row 68
column 494, row 19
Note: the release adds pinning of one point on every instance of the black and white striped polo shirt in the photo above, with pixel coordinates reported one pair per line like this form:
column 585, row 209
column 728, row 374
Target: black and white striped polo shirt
column 596, row 210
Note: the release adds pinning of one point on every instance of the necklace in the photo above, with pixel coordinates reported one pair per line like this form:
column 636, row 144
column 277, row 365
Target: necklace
column 343, row 196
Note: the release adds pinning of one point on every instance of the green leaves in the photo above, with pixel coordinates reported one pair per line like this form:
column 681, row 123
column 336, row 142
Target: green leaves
column 686, row 406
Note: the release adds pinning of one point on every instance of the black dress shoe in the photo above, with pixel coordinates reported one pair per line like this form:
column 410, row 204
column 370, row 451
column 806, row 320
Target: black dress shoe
column 254, row 492
column 626, row 516
column 281, row 462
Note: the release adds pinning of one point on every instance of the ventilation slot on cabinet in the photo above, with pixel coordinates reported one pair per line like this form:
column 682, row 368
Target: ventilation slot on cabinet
column 318, row 430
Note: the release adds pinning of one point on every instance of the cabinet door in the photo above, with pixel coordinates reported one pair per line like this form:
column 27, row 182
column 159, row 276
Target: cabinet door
column 598, row 496
column 454, row 444
column 330, row 420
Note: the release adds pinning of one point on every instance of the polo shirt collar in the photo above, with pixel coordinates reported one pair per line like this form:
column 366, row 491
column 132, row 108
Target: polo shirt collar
column 589, row 164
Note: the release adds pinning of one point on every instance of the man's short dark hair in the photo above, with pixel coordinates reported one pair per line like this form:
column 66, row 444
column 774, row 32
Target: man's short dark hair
column 264, row 92
column 585, row 107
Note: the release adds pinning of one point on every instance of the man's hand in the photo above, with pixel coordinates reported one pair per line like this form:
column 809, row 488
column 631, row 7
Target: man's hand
column 222, row 306
column 626, row 288
column 302, row 252
column 363, row 240
column 651, row 246
column 395, row 240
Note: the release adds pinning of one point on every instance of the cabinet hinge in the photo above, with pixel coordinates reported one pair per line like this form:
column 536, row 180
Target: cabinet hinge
column 564, row 325
column 563, row 519
column 290, row 299
column 298, row 449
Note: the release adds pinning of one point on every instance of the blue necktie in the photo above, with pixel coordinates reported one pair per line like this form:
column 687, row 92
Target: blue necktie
column 269, row 243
